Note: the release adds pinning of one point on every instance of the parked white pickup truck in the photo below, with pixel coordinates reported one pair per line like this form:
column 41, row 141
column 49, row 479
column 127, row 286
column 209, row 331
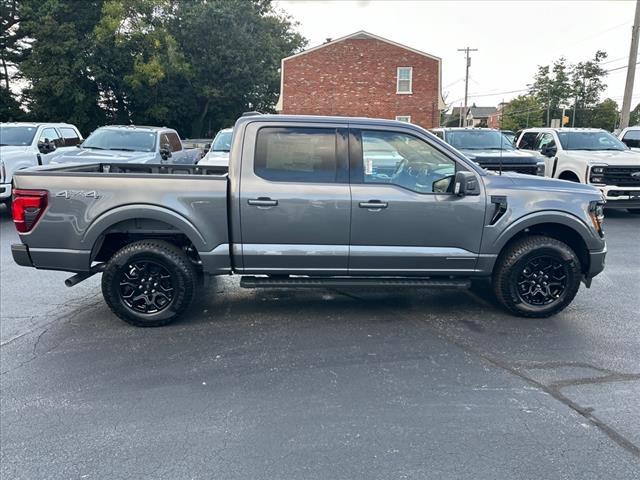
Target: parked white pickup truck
column 24, row 145
column 218, row 154
column 592, row 156
column 630, row 136
column 132, row 144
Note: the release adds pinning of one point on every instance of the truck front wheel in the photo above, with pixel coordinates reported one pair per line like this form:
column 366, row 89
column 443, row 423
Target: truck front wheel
column 537, row 276
column 149, row 283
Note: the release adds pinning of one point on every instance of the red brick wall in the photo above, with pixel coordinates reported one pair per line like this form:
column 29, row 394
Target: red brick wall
column 357, row 77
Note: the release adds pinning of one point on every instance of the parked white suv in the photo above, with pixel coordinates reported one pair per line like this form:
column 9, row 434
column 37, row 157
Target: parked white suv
column 630, row 136
column 24, row 145
column 589, row 155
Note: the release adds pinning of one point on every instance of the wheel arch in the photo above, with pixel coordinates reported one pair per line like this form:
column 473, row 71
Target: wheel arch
column 559, row 225
column 141, row 221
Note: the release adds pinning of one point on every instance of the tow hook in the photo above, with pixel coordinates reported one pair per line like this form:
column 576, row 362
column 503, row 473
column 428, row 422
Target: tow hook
column 82, row 276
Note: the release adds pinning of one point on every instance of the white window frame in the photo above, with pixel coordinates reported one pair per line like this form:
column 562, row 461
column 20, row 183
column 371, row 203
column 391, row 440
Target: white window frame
column 398, row 91
column 403, row 118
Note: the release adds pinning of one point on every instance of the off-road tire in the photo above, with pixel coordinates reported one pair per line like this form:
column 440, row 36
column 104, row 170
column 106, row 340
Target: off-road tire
column 157, row 252
column 510, row 266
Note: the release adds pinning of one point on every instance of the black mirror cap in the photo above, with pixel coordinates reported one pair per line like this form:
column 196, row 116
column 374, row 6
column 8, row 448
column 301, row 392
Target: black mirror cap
column 465, row 183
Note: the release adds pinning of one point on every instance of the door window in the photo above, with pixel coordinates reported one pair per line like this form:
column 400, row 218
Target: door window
column 50, row 134
column 632, row 139
column 296, row 154
column 406, row 161
column 545, row 140
column 528, row 141
column 71, row 137
column 174, row 141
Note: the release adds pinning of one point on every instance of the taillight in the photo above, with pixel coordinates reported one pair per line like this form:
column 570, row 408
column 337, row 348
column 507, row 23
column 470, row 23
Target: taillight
column 27, row 208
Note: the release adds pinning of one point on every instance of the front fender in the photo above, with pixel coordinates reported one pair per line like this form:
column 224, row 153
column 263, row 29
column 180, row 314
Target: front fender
column 151, row 212
column 588, row 234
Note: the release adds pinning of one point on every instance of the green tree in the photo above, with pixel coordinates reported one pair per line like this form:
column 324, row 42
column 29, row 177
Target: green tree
column 634, row 118
column 12, row 44
column 552, row 86
column 603, row 115
column 233, row 48
column 587, row 80
column 522, row 112
column 58, row 64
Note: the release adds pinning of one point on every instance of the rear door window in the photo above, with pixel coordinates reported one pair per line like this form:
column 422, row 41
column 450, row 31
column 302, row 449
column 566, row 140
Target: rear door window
column 296, row 154
column 71, row 137
column 174, row 141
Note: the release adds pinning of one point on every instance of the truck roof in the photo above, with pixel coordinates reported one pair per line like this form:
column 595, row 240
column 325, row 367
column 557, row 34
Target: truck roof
column 565, row 129
column 476, row 129
column 137, row 127
column 35, row 124
column 324, row 119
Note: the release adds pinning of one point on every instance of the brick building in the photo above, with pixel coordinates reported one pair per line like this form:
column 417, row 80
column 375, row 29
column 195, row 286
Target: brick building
column 363, row 75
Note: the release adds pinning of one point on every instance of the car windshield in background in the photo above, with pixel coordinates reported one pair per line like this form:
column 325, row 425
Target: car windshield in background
column 222, row 142
column 16, row 136
column 478, row 140
column 590, row 141
column 125, row 140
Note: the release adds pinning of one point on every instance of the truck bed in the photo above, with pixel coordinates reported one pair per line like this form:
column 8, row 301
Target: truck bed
column 88, row 202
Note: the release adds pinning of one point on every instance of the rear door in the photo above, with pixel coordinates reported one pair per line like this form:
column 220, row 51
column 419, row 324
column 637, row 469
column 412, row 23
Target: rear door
column 405, row 220
column 295, row 201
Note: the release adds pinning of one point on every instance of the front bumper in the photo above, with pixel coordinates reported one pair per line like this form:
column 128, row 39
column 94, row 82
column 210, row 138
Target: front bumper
column 20, row 253
column 620, row 197
column 5, row 190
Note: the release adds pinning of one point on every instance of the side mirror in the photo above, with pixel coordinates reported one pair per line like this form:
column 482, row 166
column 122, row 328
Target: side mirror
column 465, row 183
column 46, row 147
column 548, row 151
column 165, row 151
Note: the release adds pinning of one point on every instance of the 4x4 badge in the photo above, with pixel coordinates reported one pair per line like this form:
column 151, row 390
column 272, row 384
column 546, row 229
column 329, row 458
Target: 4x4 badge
column 77, row 194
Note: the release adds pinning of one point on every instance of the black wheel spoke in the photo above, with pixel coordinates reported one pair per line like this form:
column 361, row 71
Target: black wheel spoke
column 542, row 280
column 146, row 287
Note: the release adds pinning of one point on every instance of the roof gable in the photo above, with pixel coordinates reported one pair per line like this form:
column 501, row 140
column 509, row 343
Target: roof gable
column 362, row 35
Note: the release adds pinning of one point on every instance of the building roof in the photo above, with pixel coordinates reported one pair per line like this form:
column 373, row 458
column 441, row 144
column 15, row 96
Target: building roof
column 476, row 112
column 363, row 35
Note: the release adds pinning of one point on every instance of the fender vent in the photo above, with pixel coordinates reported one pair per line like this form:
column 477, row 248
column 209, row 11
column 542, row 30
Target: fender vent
column 500, row 208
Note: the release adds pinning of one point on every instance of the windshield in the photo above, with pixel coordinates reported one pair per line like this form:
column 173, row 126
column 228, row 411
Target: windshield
column 478, row 140
column 222, row 142
column 17, row 136
column 121, row 139
column 590, row 141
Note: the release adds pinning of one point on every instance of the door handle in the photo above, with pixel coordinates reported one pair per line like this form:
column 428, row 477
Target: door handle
column 262, row 202
column 373, row 204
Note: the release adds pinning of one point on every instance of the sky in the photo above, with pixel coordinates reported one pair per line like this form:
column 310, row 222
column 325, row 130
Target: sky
column 512, row 37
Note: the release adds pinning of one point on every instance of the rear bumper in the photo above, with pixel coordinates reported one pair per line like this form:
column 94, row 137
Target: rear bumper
column 5, row 190
column 20, row 253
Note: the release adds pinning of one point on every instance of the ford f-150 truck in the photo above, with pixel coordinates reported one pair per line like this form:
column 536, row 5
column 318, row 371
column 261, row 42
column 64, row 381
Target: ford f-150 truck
column 304, row 204
column 132, row 144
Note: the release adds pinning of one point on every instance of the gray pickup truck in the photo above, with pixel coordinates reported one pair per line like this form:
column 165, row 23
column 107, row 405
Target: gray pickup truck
column 304, row 203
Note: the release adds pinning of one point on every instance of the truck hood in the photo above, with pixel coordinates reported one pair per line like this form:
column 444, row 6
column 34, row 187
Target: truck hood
column 606, row 157
column 9, row 152
column 215, row 158
column 518, row 181
column 87, row 155
column 508, row 157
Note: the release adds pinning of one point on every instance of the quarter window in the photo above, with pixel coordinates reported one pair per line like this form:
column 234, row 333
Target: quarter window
column 404, row 82
column 406, row 161
column 296, row 154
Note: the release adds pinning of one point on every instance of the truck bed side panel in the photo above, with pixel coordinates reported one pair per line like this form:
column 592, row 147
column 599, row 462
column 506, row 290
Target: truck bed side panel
column 82, row 206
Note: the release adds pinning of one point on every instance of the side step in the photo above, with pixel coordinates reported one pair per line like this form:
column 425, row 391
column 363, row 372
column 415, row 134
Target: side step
column 322, row 282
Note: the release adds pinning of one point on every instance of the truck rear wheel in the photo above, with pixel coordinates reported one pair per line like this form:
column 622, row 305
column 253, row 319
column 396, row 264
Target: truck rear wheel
column 537, row 276
column 149, row 283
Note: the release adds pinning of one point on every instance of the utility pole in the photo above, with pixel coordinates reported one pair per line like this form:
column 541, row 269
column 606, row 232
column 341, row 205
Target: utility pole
column 631, row 69
column 466, row 79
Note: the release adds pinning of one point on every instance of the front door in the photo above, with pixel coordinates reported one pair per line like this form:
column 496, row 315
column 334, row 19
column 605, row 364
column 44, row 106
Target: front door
column 405, row 218
column 295, row 203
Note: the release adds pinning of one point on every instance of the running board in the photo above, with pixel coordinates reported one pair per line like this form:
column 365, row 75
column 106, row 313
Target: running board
column 322, row 282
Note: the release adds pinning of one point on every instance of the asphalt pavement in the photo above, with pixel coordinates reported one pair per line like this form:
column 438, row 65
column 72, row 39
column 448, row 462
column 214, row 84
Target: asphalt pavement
column 321, row 384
